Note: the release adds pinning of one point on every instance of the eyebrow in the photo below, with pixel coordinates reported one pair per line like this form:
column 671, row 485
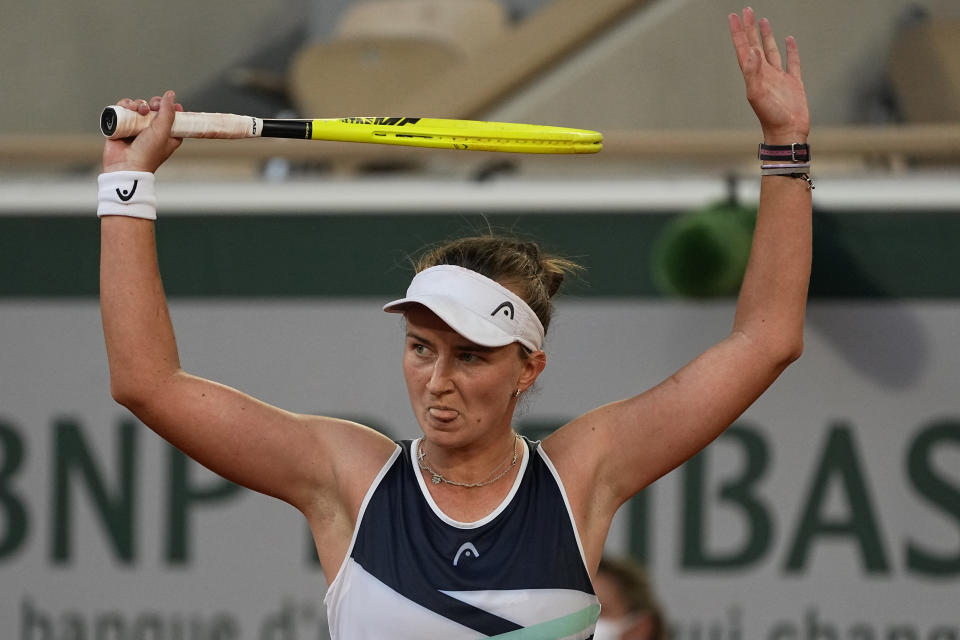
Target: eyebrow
column 479, row 348
column 465, row 346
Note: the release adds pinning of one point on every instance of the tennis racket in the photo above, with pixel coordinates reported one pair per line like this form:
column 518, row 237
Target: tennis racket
column 438, row 133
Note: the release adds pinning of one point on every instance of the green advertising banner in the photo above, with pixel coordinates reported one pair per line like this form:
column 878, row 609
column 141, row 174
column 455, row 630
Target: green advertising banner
column 829, row 511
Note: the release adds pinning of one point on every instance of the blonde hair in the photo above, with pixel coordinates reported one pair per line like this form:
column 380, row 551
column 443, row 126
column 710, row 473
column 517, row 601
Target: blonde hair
column 521, row 266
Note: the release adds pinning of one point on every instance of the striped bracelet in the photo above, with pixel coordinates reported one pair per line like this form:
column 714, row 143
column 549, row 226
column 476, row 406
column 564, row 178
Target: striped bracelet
column 800, row 170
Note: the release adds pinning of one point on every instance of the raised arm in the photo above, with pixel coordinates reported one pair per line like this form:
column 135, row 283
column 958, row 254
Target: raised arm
column 614, row 451
column 772, row 301
column 252, row 443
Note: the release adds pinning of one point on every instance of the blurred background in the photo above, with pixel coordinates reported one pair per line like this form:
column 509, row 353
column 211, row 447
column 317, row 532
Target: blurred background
column 830, row 510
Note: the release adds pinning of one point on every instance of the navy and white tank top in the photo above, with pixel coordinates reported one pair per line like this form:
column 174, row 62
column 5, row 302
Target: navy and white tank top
column 413, row 572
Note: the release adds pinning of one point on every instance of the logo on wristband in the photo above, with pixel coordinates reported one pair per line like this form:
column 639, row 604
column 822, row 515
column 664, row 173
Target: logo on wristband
column 126, row 195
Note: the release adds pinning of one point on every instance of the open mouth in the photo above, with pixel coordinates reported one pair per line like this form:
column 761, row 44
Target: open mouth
column 444, row 414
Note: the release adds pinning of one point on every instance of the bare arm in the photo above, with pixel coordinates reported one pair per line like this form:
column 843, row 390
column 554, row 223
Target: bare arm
column 250, row 442
column 614, row 451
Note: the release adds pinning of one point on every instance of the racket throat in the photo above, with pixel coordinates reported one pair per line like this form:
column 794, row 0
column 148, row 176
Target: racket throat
column 300, row 129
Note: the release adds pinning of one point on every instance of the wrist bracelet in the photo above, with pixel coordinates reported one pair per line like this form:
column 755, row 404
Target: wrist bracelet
column 799, row 176
column 784, row 169
column 796, row 152
column 127, row 193
column 799, row 170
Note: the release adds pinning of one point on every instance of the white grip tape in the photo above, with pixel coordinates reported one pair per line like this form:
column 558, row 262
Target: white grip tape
column 188, row 124
column 127, row 193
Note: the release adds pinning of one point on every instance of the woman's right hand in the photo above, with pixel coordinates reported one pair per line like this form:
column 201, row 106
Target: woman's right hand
column 153, row 145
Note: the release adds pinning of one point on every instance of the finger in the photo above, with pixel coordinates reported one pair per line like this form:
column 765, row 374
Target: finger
column 165, row 106
column 155, row 103
column 165, row 110
column 142, row 107
column 739, row 37
column 171, row 106
column 770, row 49
column 750, row 28
column 129, row 103
column 793, row 58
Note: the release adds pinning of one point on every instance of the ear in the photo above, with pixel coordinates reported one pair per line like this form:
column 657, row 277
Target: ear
column 533, row 364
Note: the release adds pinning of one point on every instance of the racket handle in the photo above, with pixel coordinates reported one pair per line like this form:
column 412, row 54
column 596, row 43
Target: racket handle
column 119, row 122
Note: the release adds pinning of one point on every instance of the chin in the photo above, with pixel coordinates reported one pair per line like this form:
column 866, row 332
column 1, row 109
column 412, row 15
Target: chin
column 439, row 431
column 450, row 435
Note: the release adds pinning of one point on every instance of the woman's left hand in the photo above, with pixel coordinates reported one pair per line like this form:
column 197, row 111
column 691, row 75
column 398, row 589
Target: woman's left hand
column 776, row 95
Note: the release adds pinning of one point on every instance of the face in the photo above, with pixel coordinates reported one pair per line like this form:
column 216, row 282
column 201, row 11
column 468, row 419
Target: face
column 461, row 392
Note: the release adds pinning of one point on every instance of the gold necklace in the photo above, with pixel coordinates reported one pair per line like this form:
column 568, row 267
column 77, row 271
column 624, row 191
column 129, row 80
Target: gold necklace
column 439, row 477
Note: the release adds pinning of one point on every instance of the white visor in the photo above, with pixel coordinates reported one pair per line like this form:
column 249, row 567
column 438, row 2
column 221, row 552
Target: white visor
column 476, row 307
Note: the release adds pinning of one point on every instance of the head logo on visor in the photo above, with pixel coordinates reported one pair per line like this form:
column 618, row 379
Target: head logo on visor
column 463, row 299
column 507, row 309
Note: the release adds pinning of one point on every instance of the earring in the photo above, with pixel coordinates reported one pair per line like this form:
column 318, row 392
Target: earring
column 516, row 394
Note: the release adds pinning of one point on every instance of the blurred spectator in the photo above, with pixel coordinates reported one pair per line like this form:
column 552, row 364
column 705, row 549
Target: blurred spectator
column 630, row 609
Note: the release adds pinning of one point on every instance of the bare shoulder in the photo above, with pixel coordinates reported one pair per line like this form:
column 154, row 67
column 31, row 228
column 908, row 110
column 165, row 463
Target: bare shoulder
column 355, row 454
column 572, row 453
column 348, row 458
column 604, row 456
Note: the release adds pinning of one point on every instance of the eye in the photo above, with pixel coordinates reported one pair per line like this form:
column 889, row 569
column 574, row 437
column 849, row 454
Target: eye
column 469, row 358
column 418, row 349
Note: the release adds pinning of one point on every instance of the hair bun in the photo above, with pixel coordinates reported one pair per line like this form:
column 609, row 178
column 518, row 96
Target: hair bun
column 517, row 264
column 552, row 277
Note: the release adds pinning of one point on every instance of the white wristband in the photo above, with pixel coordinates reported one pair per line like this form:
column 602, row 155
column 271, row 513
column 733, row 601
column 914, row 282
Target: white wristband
column 127, row 193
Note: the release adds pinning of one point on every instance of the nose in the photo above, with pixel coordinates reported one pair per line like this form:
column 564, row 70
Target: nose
column 439, row 381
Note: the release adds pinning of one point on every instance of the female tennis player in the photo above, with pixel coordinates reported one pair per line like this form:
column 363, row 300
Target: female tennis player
column 468, row 531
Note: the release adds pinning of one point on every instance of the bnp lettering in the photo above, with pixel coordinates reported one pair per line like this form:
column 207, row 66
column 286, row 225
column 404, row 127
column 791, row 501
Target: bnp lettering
column 75, row 470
